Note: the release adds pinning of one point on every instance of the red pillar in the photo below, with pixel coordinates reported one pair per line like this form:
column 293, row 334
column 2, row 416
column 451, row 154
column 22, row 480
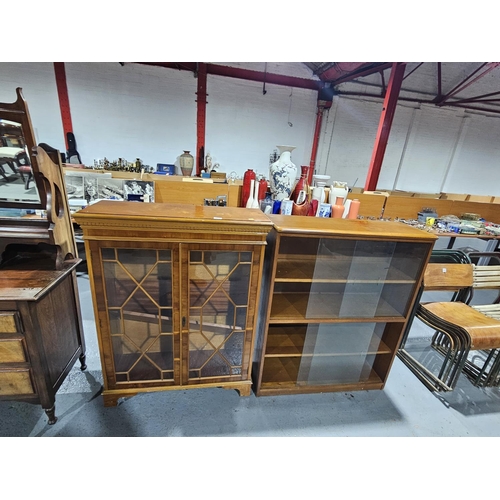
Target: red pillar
column 385, row 123
column 317, row 130
column 201, row 107
column 62, row 92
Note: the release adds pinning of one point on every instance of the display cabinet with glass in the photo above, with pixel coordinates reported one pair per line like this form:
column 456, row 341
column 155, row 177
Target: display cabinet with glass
column 175, row 291
column 337, row 298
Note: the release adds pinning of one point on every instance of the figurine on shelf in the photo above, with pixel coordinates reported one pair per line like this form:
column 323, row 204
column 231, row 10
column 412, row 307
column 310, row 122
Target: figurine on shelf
column 208, row 162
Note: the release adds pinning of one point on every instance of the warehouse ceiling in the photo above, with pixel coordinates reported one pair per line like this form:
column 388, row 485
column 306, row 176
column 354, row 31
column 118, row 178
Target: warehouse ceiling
column 469, row 85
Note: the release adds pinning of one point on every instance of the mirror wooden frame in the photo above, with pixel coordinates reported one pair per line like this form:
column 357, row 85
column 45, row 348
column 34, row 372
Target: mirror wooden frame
column 18, row 112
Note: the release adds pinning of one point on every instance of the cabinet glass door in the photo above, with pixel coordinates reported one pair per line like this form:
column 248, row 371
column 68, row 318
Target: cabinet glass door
column 341, row 353
column 333, row 278
column 217, row 320
column 328, row 353
column 138, row 291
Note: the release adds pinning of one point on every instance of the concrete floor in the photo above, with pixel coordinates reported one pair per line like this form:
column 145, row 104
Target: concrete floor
column 312, row 459
column 404, row 408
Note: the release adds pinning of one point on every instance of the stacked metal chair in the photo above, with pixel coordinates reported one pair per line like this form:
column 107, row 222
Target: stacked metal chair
column 467, row 337
column 483, row 368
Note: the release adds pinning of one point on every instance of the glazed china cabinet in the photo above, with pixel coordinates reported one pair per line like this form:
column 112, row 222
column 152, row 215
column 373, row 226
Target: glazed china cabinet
column 175, row 291
column 338, row 295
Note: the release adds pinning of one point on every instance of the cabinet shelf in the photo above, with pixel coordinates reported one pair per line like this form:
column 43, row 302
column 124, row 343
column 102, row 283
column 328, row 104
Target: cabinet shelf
column 275, row 348
column 328, row 306
column 285, row 372
column 327, row 270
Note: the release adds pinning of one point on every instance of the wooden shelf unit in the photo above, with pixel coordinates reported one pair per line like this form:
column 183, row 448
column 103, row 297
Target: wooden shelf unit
column 338, row 294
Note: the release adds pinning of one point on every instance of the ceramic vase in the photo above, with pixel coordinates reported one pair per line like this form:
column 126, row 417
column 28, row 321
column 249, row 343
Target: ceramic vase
column 255, row 199
column 337, row 211
column 347, row 207
column 313, row 208
column 186, row 162
column 320, row 180
column 248, row 176
column 302, row 209
column 301, row 190
column 262, row 188
column 354, row 209
column 249, row 203
column 338, row 190
column 282, row 174
column 318, row 194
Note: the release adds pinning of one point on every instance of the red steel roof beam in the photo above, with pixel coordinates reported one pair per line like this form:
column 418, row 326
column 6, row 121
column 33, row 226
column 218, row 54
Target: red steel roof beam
column 385, row 123
column 478, row 98
column 454, row 90
column 465, row 83
column 335, row 71
column 475, row 108
column 361, row 73
column 244, row 74
column 261, row 76
column 186, row 66
column 412, row 71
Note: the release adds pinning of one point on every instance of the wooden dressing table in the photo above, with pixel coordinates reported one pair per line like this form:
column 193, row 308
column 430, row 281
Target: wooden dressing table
column 41, row 333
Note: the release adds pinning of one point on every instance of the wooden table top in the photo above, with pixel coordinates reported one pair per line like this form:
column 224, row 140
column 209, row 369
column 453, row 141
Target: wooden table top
column 171, row 211
column 345, row 227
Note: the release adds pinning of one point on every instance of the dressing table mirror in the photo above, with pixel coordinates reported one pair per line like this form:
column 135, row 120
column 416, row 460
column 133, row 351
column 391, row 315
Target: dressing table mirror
column 19, row 184
column 31, row 179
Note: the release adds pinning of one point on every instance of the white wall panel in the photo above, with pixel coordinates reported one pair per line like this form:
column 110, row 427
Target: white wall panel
column 132, row 111
column 38, row 82
column 429, row 151
column 347, row 148
column 397, row 145
column 477, row 166
column 244, row 126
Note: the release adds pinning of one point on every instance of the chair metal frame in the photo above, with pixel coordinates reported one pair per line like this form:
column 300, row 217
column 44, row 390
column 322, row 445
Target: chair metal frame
column 453, row 341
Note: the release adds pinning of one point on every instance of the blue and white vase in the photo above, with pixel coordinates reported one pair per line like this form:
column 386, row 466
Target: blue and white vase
column 283, row 174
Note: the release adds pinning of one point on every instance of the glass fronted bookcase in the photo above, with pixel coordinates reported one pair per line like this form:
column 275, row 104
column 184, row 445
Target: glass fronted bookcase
column 338, row 296
column 175, row 291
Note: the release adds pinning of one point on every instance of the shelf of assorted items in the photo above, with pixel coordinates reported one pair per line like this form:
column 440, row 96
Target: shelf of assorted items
column 176, row 188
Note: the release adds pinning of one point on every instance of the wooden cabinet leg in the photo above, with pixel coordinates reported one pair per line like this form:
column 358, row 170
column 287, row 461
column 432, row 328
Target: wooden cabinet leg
column 83, row 365
column 243, row 390
column 110, row 400
column 51, row 413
